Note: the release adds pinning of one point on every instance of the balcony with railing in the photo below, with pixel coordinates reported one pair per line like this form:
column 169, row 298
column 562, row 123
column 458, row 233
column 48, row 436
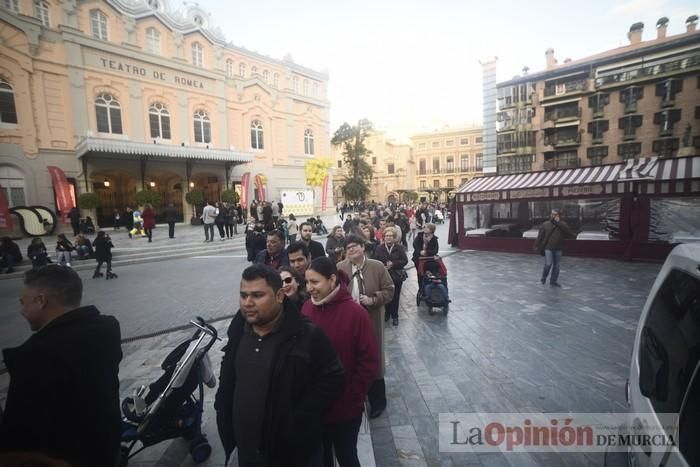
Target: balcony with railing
column 566, row 160
column 514, row 164
column 553, row 90
column 650, row 70
column 563, row 137
column 563, row 113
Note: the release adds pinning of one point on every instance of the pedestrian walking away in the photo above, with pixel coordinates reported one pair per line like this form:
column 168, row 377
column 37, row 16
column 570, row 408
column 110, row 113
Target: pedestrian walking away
column 208, row 218
column 63, row 396
column 370, row 286
column 129, row 220
column 170, row 217
column 549, row 243
column 350, row 329
column 279, row 375
column 149, row 221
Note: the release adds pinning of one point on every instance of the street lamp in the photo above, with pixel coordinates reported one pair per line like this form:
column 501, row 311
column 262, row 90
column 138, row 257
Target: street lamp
column 106, row 183
column 191, row 184
column 152, row 184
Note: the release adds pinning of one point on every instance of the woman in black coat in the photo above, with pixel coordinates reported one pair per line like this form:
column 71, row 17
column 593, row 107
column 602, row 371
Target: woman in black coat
column 425, row 244
column 393, row 255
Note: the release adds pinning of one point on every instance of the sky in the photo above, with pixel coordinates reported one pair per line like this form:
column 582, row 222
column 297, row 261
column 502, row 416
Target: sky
column 413, row 66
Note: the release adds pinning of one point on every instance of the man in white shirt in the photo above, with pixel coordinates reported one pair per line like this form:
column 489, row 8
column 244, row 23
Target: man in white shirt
column 208, row 217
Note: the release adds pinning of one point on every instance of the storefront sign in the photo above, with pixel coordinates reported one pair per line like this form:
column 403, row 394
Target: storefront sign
column 298, row 202
column 582, row 190
column 495, row 196
column 147, row 71
column 530, row 193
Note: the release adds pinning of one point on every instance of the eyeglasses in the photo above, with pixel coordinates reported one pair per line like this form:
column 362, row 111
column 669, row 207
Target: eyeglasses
column 288, row 280
column 351, row 246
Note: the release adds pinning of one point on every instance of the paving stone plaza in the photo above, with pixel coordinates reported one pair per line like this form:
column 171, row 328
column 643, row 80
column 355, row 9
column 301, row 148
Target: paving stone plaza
column 508, row 344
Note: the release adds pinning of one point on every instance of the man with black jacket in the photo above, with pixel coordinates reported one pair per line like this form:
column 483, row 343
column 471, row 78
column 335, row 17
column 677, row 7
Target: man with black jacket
column 170, row 216
column 63, row 398
column 315, row 248
column 279, row 374
column 550, row 241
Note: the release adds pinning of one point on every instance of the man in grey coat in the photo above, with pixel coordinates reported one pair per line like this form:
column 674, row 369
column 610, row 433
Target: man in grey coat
column 550, row 240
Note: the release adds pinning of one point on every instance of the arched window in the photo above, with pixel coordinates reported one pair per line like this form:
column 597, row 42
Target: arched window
column 254, row 71
column 153, row 41
column 295, row 84
column 276, row 81
column 202, row 127
column 12, row 181
column 308, row 142
column 266, row 76
column 159, row 121
column 229, row 68
column 306, row 87
column 41, row 12
column 98, row 23
column 256, row 135
column 12, row 5
column 197, row 54
column 8, row 109
column 241, row 70
column 109, row 114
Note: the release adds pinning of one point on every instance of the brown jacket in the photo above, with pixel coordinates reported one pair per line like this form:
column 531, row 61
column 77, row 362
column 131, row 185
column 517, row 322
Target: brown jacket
column 554, row 233
column 375, row 282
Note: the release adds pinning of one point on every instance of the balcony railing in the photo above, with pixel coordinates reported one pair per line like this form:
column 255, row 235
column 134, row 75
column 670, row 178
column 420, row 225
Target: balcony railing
column 651, row 69
column 562, row 163
column 560, row 89
column 562, row 140
column 422, row 172
column 563, row 113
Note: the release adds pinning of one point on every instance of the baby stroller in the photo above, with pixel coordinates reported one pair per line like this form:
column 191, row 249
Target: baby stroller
column 170, row 410
column 432, row 276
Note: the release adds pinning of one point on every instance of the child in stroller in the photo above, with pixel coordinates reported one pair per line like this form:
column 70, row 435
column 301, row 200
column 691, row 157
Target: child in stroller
column 433, row 280
column 170, row 410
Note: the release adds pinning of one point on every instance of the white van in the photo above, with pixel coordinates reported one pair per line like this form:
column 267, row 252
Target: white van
column 664, row 373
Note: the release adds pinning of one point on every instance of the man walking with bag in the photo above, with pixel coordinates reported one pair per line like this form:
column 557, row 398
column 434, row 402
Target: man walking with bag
column 549, row 243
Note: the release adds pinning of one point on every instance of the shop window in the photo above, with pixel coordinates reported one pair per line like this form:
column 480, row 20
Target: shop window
column 665, row 120
column 42, row 12
column 629, row 125
column 256, row 135
column 308, row 142
column 153, row 41
column 674, row 219
column 390, row 169
column 159, row 121
column 108, row 113
column 668, row 89
column 629, row 150
column 197, row 54
column 202, row 127
column 670, row 344
column 597, row 153
column 630, row 96
column 12, row 183
column 8, row 108
column 98, row 23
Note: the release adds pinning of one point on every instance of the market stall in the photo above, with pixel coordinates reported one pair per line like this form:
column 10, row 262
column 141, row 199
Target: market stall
column 635, row 210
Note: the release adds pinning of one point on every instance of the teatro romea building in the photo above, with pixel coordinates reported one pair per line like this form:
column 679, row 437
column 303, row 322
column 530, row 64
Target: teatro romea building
column 130, row 95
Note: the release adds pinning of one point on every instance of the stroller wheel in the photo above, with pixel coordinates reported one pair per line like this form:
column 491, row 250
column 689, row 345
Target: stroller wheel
column 200, row 451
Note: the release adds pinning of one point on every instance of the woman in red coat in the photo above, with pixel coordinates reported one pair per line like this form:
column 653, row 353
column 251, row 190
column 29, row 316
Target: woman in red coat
column 149, row 221
column 347, row 324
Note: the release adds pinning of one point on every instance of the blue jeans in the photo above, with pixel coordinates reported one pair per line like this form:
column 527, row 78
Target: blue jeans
column 552, row 259
column 428, row 290
column 209, row 231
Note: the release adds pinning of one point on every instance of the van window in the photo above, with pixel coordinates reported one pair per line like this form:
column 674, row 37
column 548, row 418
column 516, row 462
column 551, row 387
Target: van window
column 670, row 342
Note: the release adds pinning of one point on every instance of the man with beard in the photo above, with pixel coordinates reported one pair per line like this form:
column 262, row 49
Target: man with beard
column 315, row 248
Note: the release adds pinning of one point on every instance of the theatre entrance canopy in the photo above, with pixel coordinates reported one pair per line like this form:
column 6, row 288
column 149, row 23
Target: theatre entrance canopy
column 636, row 209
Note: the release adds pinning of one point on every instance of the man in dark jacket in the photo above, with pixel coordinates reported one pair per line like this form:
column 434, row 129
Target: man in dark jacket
column 170, row 216
column 74, row 216
column 9, row 254
column 315, row 248
column 279, row 375
column 550, row 239
column 63, row 398
column 129, row 220
column 274, row 254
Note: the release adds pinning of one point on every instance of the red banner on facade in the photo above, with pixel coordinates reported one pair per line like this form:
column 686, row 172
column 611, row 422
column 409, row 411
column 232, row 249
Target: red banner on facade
column 62, row 189
column 324, row 193
column 5, row 218
column 260, row 186
column 245, row 180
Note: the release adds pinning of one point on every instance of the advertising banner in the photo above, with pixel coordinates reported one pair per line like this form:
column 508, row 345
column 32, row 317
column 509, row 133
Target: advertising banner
column 324, row 193
column 5, row 218
column 260, row 185
column 298, row 202
column 62, row 189
column 245, row 181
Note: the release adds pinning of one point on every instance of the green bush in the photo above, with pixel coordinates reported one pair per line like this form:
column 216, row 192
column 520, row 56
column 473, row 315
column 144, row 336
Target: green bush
column 230, row 196
column 153, row 198
column 89, row 201
column 195, row 197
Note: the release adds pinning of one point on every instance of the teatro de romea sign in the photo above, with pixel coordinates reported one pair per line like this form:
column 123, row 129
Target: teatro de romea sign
column 144, row 71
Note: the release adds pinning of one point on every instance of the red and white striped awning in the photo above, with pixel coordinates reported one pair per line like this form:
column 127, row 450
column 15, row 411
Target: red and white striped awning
column 648, row 168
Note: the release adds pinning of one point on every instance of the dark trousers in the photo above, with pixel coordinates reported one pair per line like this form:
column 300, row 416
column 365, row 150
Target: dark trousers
column 76, row 228
column 229, row 230
column 341, row 439
column 171, row 229
column 392, row 308
column 208, row 231
column 149, row 233
column 377, row 395
column 99, row 267
column 219, row 226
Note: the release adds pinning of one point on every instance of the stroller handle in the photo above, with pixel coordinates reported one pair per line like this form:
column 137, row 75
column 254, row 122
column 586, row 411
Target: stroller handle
column 206, row 328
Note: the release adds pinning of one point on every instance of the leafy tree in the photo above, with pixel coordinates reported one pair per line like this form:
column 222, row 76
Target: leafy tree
column 230, row 196
column 359, row 172
column 195, row 197
column 153, row 198
column 411, row 196
column 89, row 200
